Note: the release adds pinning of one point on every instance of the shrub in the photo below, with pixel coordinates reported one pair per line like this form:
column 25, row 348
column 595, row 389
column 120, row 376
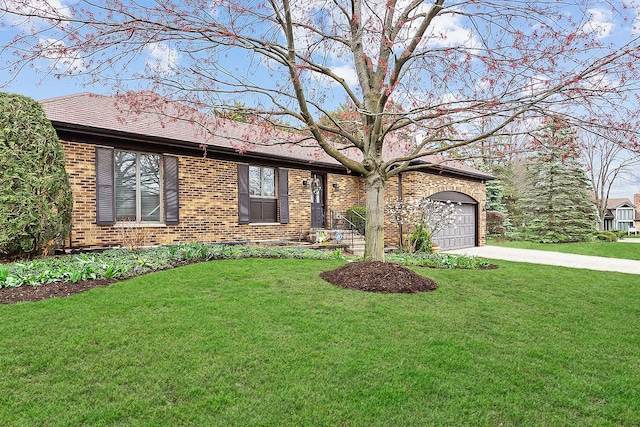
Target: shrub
column 356, row 215
column 607, row 236
column 495, row 223
column 35, row 195
column 420, row 240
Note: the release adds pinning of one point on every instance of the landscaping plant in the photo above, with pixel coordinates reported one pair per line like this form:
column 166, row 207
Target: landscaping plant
column 124, row 263
column 420, row 219
column 35, row 195
column 557, row 204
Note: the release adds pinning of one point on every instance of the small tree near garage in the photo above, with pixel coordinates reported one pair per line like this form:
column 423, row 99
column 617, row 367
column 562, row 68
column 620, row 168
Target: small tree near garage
column 35, row 195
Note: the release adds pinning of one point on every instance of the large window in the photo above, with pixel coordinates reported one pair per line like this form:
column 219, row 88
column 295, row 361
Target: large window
column 624, row 218
column 136, row 187
column 625, row 214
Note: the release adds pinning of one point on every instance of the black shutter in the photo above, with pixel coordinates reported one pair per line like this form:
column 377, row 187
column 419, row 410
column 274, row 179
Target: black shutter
column 283, row 195
column 171, row 199
column 105, row 187
column 243, row 194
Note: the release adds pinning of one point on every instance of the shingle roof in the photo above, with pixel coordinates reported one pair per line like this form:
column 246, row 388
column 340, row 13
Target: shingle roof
column 150, row 115
column 619, row 202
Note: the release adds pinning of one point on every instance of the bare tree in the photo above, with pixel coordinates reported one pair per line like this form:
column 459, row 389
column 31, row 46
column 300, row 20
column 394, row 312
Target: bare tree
column 453, row 66
column 608, row 162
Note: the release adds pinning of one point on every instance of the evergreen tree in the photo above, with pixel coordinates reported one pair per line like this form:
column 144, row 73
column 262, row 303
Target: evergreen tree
column 557, row 204
column 35, row 194
column 495, row 189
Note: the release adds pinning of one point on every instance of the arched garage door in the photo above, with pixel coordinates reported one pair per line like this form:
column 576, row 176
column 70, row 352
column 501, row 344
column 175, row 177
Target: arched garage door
column 463, row 233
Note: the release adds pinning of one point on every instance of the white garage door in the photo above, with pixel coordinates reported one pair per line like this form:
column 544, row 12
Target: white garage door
column 463, row 233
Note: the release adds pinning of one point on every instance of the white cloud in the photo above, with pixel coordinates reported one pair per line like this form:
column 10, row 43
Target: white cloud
column 162, row 59
column 32, row 13
column 535, row 85
column 448, row 31
column 600, row 22
column 63, row 58
column 600, row 82
column 348, row 73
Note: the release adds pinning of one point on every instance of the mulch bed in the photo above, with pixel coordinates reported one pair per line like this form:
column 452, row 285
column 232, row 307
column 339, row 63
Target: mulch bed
column 50, row 290
column 382, row 277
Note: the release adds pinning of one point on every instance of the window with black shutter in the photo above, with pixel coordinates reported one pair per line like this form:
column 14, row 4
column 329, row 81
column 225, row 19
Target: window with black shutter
column 262, row 194
column 136, row 187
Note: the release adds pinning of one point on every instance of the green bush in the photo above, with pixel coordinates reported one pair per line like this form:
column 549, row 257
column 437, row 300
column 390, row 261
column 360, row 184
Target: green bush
column 621, row 234
column 495, row 223
column 607, row 236
column 35, row 195
column 356, row 215
column 124, row 263
column 420, row 240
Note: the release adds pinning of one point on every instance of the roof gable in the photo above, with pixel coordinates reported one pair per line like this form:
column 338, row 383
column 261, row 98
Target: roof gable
column 619, row 203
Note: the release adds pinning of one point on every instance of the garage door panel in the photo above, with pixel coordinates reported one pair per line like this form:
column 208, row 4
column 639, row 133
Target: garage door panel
column 463, row 233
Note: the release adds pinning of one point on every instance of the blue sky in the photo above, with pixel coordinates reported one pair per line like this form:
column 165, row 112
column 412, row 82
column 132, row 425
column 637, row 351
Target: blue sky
column 40, row 86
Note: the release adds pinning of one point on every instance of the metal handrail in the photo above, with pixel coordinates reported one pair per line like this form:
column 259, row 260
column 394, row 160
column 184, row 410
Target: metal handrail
column 364, row 221
column 338, row 216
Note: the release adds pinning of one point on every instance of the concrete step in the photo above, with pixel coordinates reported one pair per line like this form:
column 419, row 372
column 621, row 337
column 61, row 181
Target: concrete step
column 354, row 241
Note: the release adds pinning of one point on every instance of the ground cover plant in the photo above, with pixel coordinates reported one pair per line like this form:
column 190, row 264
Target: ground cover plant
column 268, row 342
column 66, row 275
column 619, row 249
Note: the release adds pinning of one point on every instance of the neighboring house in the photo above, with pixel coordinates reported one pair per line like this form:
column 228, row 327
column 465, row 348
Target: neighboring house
column 620, row 215
column 194, row 177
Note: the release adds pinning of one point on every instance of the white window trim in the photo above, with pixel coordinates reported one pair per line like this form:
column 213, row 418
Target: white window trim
column 275, row 183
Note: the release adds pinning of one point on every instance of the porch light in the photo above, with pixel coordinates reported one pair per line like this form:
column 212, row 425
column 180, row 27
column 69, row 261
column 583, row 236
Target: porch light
column 306, row 184
column 336, row 186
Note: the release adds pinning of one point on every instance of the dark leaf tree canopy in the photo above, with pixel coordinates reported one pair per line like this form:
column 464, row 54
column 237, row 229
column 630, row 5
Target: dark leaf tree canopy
column 557, row 204
column 418, row 77
column 35, row 195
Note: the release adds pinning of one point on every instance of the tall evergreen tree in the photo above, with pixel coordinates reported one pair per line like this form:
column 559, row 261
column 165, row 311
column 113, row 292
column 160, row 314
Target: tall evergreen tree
column 35, row 194
column 557, row 204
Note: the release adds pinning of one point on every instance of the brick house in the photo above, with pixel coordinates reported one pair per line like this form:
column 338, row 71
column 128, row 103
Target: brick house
column 188, row 178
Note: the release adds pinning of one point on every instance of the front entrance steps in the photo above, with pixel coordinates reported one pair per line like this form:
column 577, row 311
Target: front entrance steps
column 353, row 240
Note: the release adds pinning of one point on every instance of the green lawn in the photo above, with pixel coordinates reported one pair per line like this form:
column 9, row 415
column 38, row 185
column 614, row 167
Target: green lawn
column 268, row 343
column 621, row 250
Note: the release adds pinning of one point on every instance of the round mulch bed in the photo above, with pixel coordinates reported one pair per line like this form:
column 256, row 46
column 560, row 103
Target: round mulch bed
column 383, row 277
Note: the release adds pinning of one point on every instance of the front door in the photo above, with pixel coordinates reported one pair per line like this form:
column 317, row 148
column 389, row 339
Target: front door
column 317, row 200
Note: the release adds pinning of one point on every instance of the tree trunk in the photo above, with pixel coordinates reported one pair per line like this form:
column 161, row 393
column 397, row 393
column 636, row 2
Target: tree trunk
column 374, row 189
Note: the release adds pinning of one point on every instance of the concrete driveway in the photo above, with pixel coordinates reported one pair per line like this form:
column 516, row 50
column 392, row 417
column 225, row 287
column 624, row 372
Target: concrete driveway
column 553, row 258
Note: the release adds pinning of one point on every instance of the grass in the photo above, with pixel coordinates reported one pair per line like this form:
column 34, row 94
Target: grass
column 267, row 342
column 123, row 263
column 620, row 250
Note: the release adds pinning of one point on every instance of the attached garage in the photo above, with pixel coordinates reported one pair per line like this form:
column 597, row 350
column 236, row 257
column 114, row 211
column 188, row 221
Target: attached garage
column 463, row 234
